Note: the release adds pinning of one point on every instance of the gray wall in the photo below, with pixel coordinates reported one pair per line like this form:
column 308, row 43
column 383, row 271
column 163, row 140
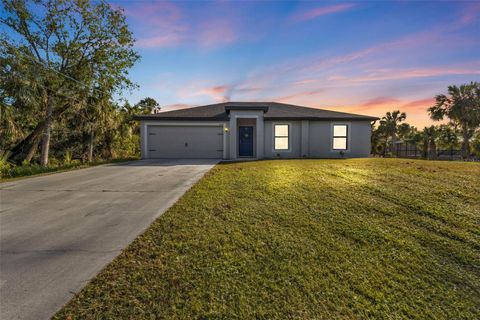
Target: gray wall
column 313, row 139
column 295, row 141
column 320, row 144
column 310, row 139
column 233, row 133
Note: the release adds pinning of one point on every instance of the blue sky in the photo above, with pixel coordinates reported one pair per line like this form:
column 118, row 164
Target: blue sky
column 364, row 57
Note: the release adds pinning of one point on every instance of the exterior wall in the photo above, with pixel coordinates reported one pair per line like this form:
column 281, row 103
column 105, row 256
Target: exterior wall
column 144, row 132
column 308, row 139
column 143, row 140
column 320, row 139
column 295, row 140
column 185, row 142
column 233, row 132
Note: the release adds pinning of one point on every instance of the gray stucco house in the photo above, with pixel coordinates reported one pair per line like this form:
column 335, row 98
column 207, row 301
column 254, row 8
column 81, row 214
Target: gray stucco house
column 254, row 130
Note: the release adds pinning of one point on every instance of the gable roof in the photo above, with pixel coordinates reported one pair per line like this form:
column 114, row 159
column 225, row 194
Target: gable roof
column 272, row 111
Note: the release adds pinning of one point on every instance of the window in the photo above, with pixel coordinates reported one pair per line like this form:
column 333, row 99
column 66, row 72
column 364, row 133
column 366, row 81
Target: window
column 281, row 132
column 340, row 137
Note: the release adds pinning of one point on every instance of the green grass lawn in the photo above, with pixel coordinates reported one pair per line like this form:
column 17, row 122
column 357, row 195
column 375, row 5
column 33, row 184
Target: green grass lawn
column 305, row 239
column 14, row 172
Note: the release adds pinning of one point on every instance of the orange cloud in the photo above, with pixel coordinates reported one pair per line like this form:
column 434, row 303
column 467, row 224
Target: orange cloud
column 176, row 106
column 416, row 110
column 321, row 11
column 399, row 74
column 380, row 101
column 217, row 93
column 422, row 104
column 298, row 95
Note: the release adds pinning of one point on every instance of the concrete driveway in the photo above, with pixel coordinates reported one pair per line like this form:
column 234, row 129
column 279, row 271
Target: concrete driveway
column 58, row 231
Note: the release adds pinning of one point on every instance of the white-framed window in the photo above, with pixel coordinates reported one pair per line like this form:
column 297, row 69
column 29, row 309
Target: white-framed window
column 340, row 137
column 281, row 139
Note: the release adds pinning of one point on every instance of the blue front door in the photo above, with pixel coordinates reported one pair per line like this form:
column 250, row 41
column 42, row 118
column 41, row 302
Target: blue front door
column 245, row 141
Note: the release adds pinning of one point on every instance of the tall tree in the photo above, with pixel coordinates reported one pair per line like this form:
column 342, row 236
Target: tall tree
column 462, row 107
column 447, row 137
column 80, row 48
column 430, row 135
column 390, row 123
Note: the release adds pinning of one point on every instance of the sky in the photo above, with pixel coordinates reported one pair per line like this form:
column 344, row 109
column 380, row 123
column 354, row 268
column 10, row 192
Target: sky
column 360, row 57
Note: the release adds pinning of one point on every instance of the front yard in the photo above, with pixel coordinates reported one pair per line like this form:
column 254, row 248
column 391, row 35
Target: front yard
column 305, row 239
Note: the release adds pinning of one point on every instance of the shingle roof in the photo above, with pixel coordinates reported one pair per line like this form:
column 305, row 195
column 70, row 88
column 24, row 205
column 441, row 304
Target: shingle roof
column 276, row 111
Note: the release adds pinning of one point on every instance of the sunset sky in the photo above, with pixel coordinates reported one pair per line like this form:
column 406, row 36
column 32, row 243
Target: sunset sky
column 362, row 57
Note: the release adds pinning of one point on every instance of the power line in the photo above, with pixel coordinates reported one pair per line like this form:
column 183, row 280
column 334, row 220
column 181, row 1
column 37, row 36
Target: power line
column 56, row 71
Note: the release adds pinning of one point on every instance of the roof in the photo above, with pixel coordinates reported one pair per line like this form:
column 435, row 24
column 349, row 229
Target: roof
column 272, row 110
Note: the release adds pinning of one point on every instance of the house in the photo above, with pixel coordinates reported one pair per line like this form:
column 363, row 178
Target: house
column 254, row 130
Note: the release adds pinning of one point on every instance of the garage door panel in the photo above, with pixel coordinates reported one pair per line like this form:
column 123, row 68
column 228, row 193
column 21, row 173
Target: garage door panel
column 185, row 142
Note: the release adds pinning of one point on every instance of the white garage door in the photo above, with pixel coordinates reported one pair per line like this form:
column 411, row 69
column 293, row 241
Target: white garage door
column 182, row 142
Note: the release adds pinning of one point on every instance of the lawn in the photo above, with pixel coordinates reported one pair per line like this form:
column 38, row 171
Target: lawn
column 10, row 172
column 305, row 239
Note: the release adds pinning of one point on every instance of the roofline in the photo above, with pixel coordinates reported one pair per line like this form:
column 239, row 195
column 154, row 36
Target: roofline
column 365, row 118
column 153, row 117
column 243, row 108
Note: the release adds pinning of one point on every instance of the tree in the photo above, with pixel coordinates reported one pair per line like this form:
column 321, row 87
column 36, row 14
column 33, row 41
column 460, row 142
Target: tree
column 476, row 144
column 71, row 50
column 430, row 135
column 147, row 106
column 407, row 132
column 462, row 107
column 390, row 123
column 447, row 137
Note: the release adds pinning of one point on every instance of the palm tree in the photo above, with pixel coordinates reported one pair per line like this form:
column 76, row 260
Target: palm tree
column 430, row 135
column 462, row 108
column 390, row 123
column 447, row 137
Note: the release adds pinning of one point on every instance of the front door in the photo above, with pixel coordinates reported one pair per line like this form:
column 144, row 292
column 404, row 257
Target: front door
column 245, row 141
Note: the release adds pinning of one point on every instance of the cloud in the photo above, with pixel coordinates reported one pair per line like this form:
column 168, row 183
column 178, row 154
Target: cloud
column 421, row 104
column 217, row 93
column 165, row 24
column 166, row 40
column 216, row 33
column 402, row 74
column 320, row 11
column 299, row 95
column 160, row 24
column 176, row 106
column 470, row 13
column 380, row 101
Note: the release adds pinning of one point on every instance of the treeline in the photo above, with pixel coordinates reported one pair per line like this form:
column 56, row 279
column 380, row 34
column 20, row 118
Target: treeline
column 461, row 107
column 63, row 64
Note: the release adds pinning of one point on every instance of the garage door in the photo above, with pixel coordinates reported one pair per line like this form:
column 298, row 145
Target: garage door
column 201, row 142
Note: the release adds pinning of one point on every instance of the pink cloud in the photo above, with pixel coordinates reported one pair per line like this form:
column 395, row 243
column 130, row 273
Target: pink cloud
column 217, row 93
column 416, row 109
column 399, row 74
column 380, row 101
column 160, row 14
column 166, row 40
column 163, row 24
column 160, row 24
column 422, row 104
column 321, row 11
column 176, row 106
column 299, row 95
column 470, row 13
column 216, row 33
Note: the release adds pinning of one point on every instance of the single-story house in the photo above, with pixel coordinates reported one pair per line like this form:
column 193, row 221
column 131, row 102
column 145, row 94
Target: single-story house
column 254, row 130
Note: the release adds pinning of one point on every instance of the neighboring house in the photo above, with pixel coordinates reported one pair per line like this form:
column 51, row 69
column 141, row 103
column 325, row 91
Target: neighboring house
column 255, row 130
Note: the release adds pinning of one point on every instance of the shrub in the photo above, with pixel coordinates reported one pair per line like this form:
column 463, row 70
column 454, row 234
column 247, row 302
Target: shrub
column 67, row 158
